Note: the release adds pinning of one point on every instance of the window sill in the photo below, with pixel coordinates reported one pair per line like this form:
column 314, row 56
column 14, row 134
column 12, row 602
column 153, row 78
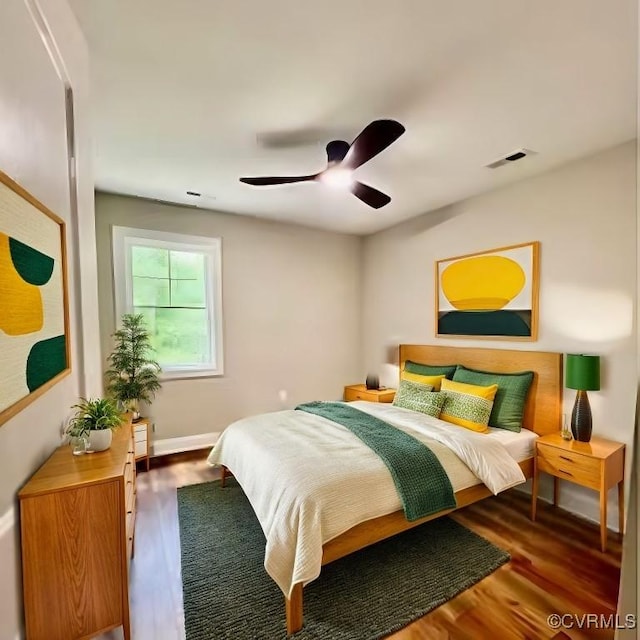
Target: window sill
column 181, row 374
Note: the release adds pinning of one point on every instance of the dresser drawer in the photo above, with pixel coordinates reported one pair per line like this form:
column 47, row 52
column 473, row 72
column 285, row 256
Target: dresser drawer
column 131, row 526
column 569, row 465
column 131, row 521
column 130, row 496
column 129, row 469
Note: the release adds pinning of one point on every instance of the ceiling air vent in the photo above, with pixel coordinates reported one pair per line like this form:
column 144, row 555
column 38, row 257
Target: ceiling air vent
column 518, row 154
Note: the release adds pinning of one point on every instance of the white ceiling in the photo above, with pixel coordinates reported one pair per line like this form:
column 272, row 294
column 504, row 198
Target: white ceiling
column 193, row 94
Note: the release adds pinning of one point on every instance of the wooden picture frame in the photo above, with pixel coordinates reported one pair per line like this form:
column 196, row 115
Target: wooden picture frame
column 34, row 299
column 491, row 294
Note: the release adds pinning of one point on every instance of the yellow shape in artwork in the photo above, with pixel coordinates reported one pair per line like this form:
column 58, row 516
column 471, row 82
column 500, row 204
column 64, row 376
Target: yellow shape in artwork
column 21, row 308
column 483, row 283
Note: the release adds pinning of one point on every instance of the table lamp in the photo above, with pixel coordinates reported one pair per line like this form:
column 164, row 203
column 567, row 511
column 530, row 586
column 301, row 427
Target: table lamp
column 582, row 374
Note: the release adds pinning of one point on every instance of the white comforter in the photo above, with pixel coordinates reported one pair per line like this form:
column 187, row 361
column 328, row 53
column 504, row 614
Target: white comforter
column 310, row 479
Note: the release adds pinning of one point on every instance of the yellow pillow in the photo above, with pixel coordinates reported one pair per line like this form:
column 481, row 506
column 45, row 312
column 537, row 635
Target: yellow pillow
column 433, row 381
column 467, row 405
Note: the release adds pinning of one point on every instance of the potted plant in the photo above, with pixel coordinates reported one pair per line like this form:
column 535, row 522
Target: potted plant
column 133, row 374
column 95, row 419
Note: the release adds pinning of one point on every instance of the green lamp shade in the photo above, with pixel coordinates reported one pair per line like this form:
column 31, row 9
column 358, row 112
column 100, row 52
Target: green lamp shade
column 583, row 372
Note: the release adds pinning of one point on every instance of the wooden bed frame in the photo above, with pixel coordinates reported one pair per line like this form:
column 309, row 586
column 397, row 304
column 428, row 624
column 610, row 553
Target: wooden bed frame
column 542, row 415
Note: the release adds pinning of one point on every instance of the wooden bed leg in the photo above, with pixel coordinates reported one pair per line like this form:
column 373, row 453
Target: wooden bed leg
column 223, row 475
column 293, row 606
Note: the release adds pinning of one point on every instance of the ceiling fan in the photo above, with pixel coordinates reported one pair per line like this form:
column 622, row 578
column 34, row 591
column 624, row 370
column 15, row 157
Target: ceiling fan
column 344, row 158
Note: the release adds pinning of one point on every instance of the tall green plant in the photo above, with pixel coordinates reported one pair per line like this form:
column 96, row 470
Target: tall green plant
column 133, row 374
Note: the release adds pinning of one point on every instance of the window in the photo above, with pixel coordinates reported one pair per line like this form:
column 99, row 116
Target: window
column 175, row 282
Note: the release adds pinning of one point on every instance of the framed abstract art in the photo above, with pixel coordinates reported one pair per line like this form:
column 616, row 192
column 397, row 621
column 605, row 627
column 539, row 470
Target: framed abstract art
column 491, row 294
column 34, row 307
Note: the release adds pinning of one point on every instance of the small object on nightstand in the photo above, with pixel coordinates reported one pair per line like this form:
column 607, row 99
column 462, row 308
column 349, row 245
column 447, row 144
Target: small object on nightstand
column 597, row 464
column 566, row 431
column 372, row 381
column 360, row 392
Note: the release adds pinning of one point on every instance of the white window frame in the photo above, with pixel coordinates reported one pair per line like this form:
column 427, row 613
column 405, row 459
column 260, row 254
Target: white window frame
column 124, row 238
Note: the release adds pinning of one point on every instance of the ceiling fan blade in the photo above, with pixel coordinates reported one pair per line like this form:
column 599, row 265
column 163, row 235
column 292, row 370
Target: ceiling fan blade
column 373, row 139
column 337, row 150
column 369, row 195
column 264, row 182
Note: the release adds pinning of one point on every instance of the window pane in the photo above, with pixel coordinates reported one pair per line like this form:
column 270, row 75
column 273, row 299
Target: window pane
column 186, row 265
column 150, row 292
column 188, row 293
column 150, row 321
column 179, row 336
column 150, row 261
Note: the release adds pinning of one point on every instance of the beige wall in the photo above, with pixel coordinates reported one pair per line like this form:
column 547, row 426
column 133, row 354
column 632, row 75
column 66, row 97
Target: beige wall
column 584, row 215
column 629, row 600
column 291, row 313
column 33, row 152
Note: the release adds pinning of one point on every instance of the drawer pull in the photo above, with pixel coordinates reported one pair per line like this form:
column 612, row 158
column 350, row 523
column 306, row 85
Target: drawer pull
column 129, row 512
column 568, row 473
column 359, row 397
column 565, row 458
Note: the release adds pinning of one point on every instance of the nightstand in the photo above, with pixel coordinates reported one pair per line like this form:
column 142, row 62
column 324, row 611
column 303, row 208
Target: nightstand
column 141, row 437
column 598, row 464
column 360, row 392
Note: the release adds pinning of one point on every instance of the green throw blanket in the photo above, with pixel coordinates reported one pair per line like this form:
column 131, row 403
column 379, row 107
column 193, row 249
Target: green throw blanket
column 421, row 482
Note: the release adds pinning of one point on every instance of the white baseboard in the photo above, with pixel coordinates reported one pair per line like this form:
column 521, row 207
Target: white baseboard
column 185, row 443
column 7, row 521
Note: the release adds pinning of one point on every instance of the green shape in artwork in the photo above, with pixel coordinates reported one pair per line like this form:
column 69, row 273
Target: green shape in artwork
column 46, row 360
column 486, row 323
column 33, row 266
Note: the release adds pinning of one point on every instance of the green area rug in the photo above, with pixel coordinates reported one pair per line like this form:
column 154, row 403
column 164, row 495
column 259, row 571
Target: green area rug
column 368, row 595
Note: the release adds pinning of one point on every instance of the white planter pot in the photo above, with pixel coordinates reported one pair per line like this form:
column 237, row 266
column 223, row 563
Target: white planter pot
column 100, row 440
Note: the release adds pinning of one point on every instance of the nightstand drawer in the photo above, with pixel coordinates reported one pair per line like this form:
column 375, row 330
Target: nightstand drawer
column 360, row 392
column 354, row 394
column 575, row 467
column 141, row 448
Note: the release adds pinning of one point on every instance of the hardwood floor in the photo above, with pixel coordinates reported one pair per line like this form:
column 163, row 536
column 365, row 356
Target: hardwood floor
column 556, row 567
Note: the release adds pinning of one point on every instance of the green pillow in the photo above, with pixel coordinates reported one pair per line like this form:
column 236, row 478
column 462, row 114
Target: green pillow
column 418, row 397
column 430, row 370
column 508, row 405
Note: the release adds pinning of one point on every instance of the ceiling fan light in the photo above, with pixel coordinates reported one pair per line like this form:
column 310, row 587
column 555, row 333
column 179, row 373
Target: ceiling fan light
column 338, row 178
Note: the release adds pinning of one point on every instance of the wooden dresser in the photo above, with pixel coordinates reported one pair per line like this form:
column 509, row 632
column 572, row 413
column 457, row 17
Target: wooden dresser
column 77, row 517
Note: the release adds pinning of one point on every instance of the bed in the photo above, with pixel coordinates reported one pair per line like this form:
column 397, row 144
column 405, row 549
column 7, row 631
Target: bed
column 320, row 496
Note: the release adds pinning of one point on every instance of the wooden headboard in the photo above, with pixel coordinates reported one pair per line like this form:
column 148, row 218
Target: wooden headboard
column 543, row 409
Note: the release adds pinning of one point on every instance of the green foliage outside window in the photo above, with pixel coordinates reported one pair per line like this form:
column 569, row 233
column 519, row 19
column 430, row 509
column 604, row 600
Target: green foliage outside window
column 169, row 291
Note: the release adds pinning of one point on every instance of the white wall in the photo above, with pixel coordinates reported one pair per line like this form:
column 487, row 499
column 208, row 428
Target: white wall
column 291, row 313
column 33, row 151
column 584, row 215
